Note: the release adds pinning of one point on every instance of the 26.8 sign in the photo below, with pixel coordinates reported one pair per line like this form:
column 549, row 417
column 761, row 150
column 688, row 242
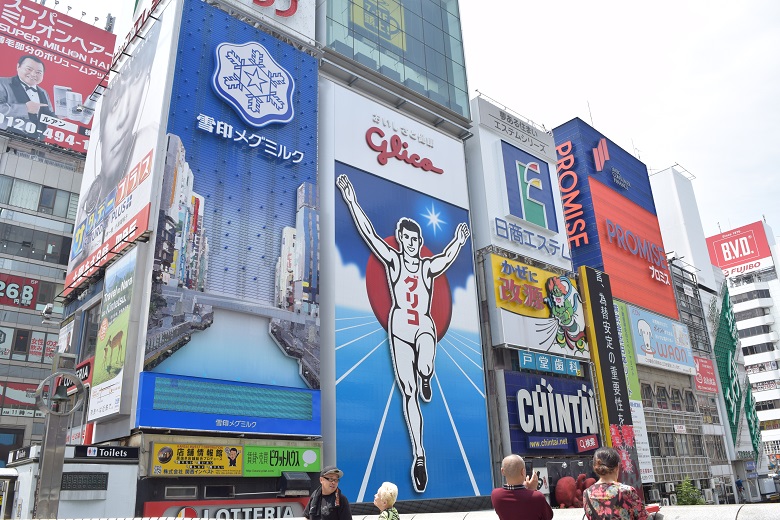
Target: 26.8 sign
column 17, row 291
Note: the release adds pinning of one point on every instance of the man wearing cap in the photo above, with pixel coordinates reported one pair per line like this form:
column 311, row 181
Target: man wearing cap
column 327, row 502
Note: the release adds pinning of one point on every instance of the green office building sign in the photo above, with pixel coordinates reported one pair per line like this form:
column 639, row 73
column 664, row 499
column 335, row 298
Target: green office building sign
column 271, row 461
column 726, row 344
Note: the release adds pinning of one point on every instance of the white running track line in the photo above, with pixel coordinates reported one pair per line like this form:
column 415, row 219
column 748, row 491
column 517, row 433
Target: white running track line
column 375, row 447
column 359, row 362
column 357, row 339
column 479, row 366
column 464, row 373
column 457, row 438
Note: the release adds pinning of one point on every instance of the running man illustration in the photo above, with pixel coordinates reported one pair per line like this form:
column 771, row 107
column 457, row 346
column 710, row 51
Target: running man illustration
column 410, row 328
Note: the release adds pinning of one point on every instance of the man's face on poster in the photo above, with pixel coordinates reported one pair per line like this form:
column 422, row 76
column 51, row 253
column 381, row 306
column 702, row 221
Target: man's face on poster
column 118, row 120
column 30, row 72
column 410, row 241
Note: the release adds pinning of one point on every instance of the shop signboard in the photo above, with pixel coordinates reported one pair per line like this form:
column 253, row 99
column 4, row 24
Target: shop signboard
column 52, row 64
column 741, row 250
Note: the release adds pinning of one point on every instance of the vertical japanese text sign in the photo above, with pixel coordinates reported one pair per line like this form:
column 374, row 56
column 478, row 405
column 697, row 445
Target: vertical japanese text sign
column 601, row 327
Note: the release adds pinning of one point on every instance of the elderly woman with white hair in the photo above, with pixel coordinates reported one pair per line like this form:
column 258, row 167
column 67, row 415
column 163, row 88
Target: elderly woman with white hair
column 385, row 500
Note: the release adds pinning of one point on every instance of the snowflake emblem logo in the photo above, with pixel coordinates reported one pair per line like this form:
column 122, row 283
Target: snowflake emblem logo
column 249, row 79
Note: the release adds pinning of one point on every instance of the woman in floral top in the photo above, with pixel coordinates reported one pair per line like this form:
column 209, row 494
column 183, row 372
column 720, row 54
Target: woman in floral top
column 608, row 499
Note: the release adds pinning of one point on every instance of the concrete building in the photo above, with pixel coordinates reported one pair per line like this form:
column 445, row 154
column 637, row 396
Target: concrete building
column 702, row 297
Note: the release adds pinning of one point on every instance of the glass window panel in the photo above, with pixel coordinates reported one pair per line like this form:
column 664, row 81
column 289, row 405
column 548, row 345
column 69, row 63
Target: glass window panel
column 433, row 37
column 61, row 203
column 431, row 12
column 46, row 204
column 53, row 248
column 64, row 251
column 21, row 343
column 73, row 206
column 457, row 76
column 413, row 26
column 662, row 398
column 435, row 63
column 92, row 319
column 676, row 400
column 415, row 52
column 454, row 50
column 38, row 247
column 647, row 395
column 6, row 183
column 25, row 194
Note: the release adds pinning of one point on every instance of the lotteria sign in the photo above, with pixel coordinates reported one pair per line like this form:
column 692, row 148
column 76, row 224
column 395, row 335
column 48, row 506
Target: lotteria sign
column 741, row 250
column 550, row 415
column 227, row 509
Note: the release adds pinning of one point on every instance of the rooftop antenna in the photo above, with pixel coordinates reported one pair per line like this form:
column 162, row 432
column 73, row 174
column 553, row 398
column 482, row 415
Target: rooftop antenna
column 590, row 113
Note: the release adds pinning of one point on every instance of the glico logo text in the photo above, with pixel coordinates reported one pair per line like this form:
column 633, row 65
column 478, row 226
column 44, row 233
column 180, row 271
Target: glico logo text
column 397, row 148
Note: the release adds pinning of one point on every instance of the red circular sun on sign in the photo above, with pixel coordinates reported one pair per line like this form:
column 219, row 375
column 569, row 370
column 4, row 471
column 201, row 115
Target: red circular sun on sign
column 380, row 299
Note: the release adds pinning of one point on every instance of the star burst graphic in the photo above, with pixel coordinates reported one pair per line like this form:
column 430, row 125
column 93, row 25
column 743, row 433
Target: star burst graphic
column 434, row 220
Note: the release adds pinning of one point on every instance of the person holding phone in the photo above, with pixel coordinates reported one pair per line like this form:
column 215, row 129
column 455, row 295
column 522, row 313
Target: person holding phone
column 518, row 498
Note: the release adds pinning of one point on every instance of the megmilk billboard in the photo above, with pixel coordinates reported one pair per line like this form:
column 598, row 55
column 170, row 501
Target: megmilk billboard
column 240, row 173
column 408, row 360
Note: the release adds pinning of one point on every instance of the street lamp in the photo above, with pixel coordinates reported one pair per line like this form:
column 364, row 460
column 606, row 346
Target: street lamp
column 58, row 406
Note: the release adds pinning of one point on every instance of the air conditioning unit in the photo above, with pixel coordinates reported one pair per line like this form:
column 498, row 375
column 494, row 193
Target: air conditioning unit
column 665, row 502
column 655, row 495
column 669, row 487
column 708, row 496
column 673, row 500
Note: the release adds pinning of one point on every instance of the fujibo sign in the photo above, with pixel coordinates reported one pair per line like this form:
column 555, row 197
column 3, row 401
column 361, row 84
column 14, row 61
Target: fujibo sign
column 741, row 250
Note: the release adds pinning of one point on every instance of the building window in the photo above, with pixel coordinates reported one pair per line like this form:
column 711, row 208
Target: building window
column 25, row 195
column 667, row 445
column 655, row 444
column 690, row 402
column 681, row 445
column 662, row 398
column 647, row 396
column 697, row 445
column 676, row 400
column 91, row 331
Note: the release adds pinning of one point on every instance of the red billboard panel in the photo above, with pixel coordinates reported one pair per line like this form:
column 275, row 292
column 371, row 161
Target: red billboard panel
column 50, row 65
column 17, row 291
column 705, row 375
column 741, row 250
column 633, row 252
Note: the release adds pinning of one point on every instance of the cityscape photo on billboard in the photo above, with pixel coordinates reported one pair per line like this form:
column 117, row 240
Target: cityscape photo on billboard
column 235, row 297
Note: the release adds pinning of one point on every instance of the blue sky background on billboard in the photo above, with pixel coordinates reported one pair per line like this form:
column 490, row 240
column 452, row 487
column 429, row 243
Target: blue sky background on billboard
column 691, row 83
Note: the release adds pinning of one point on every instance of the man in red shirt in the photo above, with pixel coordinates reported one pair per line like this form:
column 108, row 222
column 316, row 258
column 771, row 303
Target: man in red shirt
column 518, row 498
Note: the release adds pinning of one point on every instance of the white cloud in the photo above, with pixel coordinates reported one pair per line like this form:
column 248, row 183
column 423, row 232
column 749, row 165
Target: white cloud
column 465, row 310
column 350, row 285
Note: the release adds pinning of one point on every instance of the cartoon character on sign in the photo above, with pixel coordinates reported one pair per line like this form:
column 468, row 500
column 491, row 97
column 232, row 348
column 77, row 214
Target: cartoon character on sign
column 564, row 302
column 646, row 333
column 412, row 274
